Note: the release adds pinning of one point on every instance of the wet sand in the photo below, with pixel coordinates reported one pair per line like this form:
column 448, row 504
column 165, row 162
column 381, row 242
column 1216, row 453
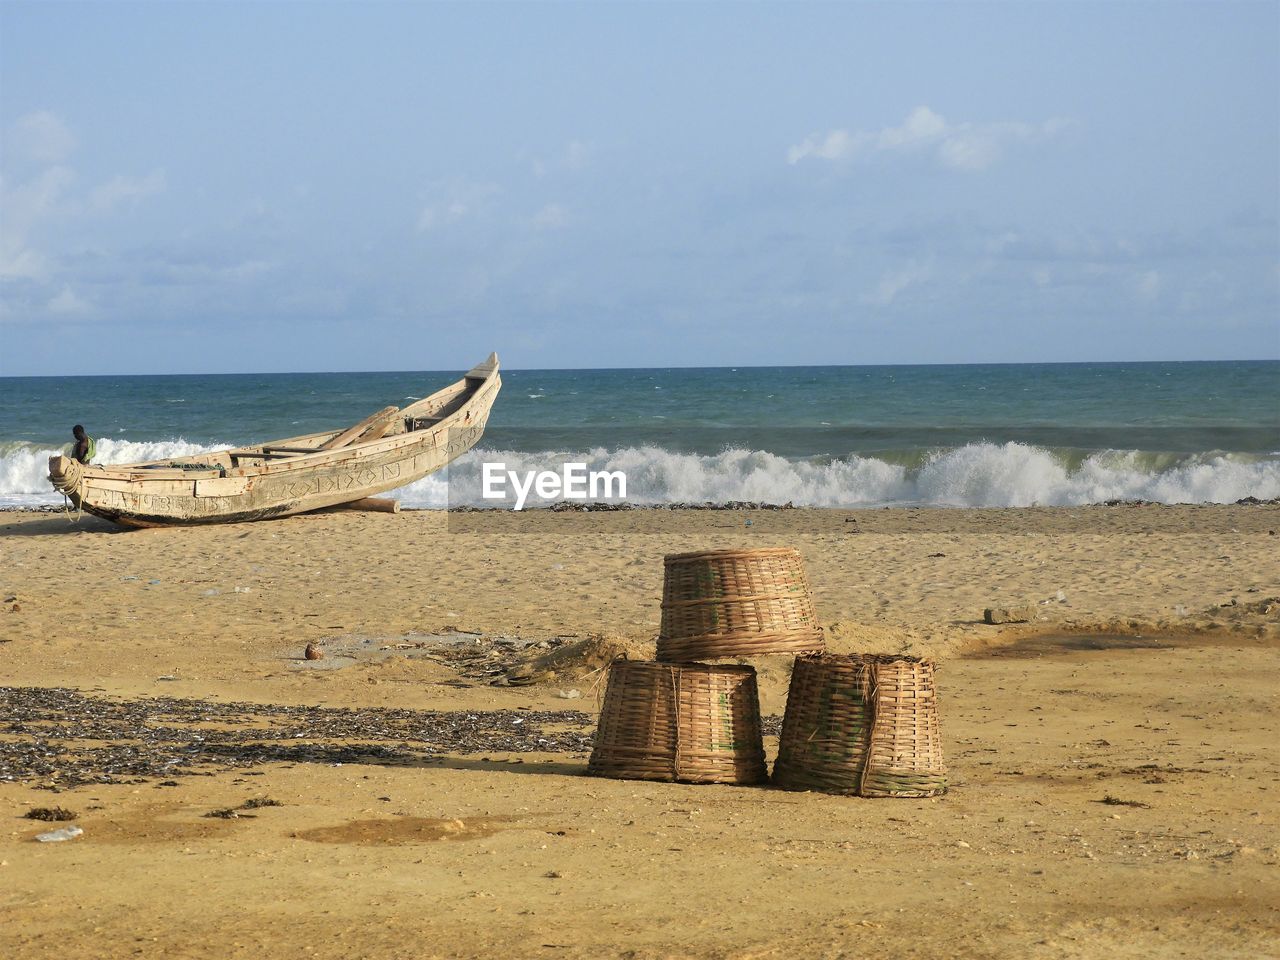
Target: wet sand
column 1113, row 762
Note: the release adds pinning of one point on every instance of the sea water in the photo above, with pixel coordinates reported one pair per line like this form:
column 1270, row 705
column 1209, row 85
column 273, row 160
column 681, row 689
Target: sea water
column 972, row 435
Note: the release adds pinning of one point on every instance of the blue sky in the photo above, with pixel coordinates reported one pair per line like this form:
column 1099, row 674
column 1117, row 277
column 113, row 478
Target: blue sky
column 228, row 187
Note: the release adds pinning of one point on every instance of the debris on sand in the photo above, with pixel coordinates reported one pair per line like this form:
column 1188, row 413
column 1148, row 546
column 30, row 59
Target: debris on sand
column 1111, row 801
column 515, row 661
column 58, row 738
column 52, row 814
column 996, row 615
column 579, row 659
column 235, row 813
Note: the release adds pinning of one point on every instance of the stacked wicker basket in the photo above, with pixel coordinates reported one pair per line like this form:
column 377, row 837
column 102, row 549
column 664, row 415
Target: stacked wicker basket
column 863, row 725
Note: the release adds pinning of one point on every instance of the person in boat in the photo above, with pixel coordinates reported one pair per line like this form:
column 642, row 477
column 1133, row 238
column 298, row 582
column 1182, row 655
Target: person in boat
column 85, row 448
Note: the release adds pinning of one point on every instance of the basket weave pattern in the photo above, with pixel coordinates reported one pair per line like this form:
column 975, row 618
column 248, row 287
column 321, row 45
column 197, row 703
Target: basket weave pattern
column 864, row 725
column 680, row 722
column 733, row 603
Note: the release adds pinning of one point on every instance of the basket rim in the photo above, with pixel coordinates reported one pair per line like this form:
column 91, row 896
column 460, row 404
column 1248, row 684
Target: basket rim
column 731, row 552
column 692, row 665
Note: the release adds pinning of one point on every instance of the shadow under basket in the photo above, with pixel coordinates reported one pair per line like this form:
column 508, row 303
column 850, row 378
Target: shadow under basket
column 862, row 725
column 736, row 603
column 686, row 722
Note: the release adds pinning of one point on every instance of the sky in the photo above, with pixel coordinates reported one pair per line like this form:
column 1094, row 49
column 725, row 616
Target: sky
column 254, row 187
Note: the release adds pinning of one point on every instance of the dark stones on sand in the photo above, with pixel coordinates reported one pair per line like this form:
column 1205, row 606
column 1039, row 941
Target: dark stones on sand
column 578, row 506
column 50, row 814
column 313, row 652
column 54, row 738
column 237, row 813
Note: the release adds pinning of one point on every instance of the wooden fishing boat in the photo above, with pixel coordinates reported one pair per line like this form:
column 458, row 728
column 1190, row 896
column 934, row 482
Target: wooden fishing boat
column 389, row 449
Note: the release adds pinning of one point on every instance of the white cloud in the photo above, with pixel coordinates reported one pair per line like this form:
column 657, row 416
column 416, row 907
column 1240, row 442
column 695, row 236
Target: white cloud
column 20, row 262
column 105, row 198
column 42, row 137
column 248, row 269
column 961, row 146
column 575, row 157
column 48, row 197
column 578, row 154
column 193, row 270
column 459, row 201
column 26, row 203
column 41, row 199
column 896, row 281
column 921, row 126
column 25, row 206
column 1147, row 285
column 551, row 217
column 972, row 151
column 68, row 305
column 836, row 145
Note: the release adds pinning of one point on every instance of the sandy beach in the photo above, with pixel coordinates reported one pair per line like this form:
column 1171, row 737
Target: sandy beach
column 1113, row 761
column 445, row 325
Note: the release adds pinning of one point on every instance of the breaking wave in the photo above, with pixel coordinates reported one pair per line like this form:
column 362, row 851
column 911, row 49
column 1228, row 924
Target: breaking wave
column 24, row 467
column 974, row 475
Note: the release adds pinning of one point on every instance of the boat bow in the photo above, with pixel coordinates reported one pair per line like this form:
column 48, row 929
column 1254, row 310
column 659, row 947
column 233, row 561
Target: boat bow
column 66, row 475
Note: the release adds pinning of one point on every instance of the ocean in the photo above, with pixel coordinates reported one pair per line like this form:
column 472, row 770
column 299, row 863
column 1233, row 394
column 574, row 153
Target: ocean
column 870, row 436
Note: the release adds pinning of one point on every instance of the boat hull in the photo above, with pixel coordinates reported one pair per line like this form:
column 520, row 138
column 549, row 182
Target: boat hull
column 128, row 496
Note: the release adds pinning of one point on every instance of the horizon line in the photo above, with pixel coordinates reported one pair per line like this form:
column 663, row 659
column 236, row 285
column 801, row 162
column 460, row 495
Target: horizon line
column 736, row 366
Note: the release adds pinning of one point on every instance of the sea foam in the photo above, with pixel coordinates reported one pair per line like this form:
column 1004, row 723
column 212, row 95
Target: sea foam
column 974, row 475
column 24, row 467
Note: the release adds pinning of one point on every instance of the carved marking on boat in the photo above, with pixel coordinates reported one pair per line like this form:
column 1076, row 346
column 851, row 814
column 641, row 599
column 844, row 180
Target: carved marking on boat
column 160, row 504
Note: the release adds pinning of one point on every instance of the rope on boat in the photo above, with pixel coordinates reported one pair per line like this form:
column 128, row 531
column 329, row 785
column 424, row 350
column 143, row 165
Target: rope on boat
column 66, row 509
column 60, row 484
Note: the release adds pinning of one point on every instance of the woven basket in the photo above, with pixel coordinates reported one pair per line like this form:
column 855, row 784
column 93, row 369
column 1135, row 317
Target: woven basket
column 862, row 725
column 736, row 603
column 688, row 722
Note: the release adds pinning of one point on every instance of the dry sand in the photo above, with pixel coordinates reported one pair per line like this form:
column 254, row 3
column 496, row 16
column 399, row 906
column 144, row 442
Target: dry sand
column 402, row 847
